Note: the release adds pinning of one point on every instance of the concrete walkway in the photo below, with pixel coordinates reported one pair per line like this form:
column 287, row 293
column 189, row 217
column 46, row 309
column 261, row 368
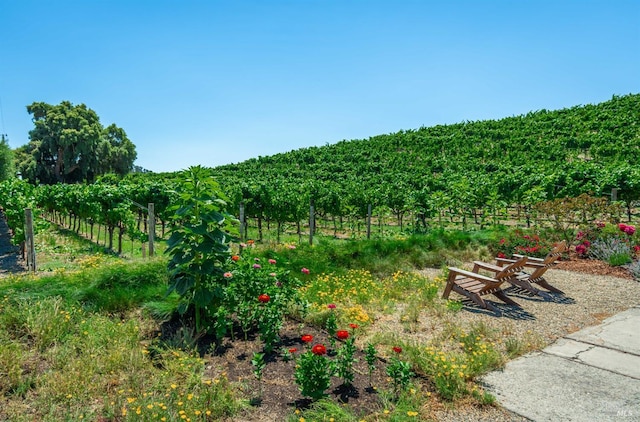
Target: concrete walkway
column 590, row 375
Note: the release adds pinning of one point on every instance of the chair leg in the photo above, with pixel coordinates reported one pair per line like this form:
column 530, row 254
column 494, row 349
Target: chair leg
column 542, row 282
column 500, row 294
column 525, row 285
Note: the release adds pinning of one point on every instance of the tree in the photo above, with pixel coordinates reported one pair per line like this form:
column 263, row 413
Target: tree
column 68, row 145
column 7, row 167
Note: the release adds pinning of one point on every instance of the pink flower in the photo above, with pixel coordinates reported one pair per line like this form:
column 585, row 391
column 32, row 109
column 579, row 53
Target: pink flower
column 291, row 246
column 600, row 224
column 272, row 261
column 636, row 248
column 305, row 271
column 272, row 274
column 257, row 266
column 331, row 306
column 586, row 243
column 227, row 275
column 580, row 235
column 630, row 230
column 622, row 226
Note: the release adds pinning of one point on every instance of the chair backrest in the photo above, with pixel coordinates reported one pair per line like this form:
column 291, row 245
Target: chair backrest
column 511, row 269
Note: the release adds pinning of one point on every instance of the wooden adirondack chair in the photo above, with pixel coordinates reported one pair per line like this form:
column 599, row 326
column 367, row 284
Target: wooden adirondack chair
column 525, row 280
column 474, row 285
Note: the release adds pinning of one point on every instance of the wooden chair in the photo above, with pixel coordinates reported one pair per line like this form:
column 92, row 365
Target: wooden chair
column 474, row 285
column 525, row 280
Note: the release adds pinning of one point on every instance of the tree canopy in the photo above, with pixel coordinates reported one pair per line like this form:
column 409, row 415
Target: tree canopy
column 69, row 144
column 7, row 168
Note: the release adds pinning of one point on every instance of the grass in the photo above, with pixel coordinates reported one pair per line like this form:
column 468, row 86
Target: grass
column 81, row 342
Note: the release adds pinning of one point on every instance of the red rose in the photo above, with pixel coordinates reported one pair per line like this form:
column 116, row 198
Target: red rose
column 342, row 334
column 319, row 350
column 264, row 298
column 397, row 349
column 307, row 338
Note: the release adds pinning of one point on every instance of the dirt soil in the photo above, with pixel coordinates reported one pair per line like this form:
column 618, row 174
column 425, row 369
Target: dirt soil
column 277, row 395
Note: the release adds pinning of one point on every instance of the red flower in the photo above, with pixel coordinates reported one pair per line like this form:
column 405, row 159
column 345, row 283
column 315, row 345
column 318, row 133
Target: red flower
column 502, row 241
column 581, row 249
column 319, row 350
column 331, row 306
column 272, row 261
column 264, row 298
column 397, row 349
column 293, row 350
column 622, row 226
column 600, row 224
column 305, row 271
column 630, row 230
column 501, row 255
column 586, row 243
column 636, row 248
column 342, row 334
column 354, row 326
column 307, row 338
column 235, row 258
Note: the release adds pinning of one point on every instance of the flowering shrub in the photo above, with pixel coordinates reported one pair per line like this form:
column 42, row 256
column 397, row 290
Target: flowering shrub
column 257, row 297
column 523, row 243
column 612, row 243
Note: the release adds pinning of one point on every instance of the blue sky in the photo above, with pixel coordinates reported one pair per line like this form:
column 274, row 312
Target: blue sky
column 217, row 82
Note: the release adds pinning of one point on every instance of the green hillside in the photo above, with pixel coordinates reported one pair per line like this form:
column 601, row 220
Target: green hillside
column 549, row 154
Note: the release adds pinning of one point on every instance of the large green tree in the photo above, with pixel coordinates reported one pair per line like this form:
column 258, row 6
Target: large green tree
column 7, row 167
column 68, row 144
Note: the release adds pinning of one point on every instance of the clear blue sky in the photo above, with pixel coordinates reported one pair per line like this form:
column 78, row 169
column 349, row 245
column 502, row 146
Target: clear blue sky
column 217, row 82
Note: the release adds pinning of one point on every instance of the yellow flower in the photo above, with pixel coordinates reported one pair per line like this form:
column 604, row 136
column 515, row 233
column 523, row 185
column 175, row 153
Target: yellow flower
column 174, row 386
column 412, row 413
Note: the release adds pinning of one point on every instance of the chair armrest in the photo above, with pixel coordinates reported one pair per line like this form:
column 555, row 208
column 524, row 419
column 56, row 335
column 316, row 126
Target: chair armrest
column 529, row 258
column 473, row 275
column 486, row 266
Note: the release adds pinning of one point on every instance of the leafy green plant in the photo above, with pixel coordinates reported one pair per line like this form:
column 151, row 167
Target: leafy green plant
column 399, row 371
column 313, row 372
column 199, row 243
column 370, row 356
column 344, row 359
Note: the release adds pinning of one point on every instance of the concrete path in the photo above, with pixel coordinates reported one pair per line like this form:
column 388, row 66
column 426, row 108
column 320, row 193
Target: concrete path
column 590, row 375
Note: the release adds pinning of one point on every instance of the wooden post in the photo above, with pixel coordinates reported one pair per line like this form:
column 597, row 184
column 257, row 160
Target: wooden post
column 614, row 194
column 152, row 229
column 242, row 223
column 311, row 222
column 30, row 246
column 369, row 222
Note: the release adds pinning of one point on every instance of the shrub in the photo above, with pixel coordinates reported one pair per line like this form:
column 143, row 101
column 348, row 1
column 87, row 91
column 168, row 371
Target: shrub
column 613, row 250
